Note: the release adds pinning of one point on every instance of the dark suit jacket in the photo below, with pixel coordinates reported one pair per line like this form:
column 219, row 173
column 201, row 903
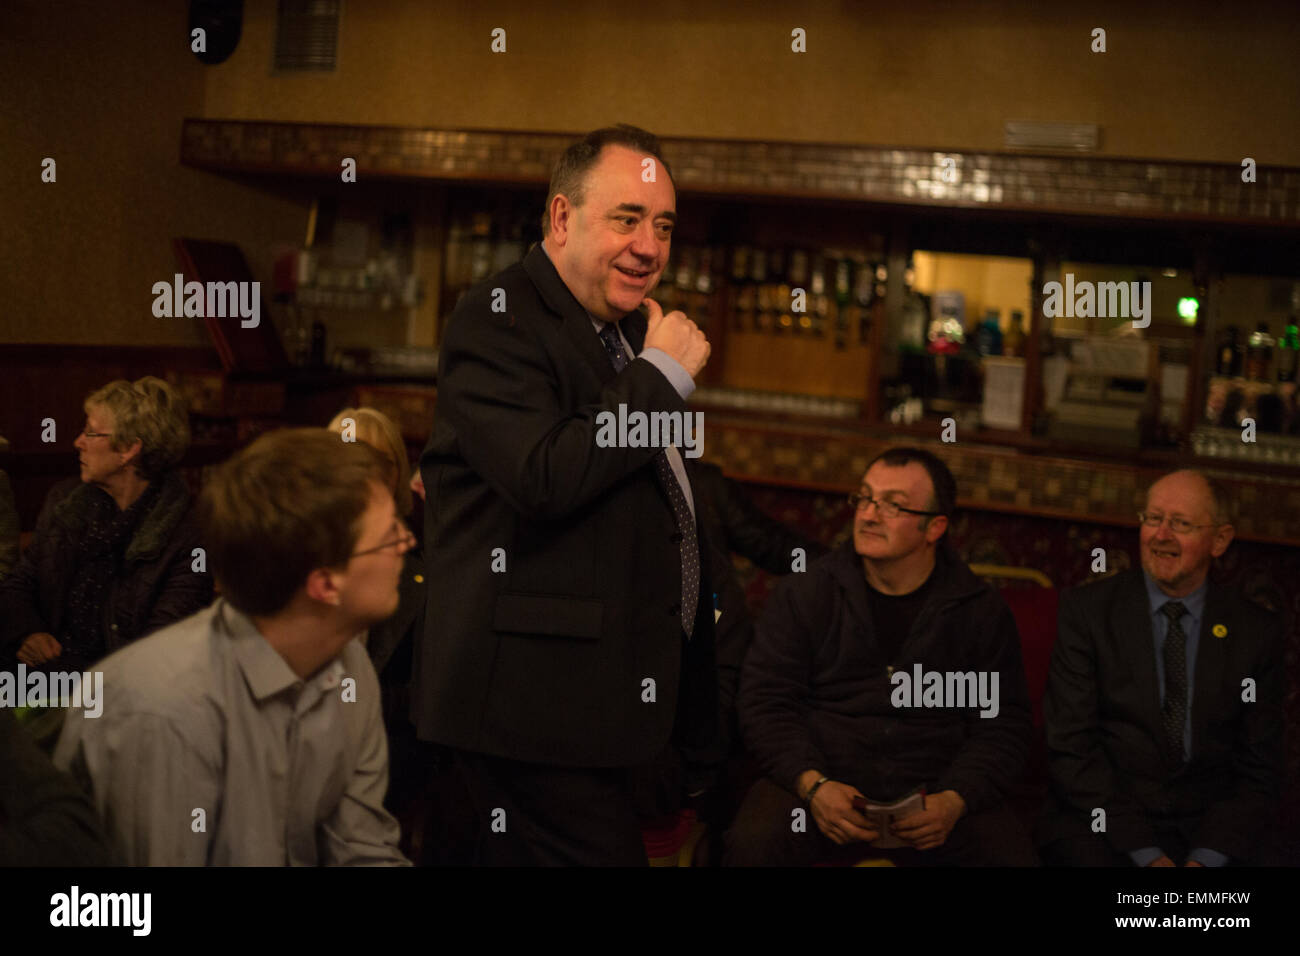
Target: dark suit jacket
column 545, row 661
column 1105, row 738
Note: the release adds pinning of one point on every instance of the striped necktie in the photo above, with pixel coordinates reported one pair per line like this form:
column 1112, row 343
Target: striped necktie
column 687, row 542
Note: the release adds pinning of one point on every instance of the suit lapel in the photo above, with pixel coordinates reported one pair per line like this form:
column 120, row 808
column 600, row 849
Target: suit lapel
column 1131, row 620
column 576, row 323
column 1211, row 653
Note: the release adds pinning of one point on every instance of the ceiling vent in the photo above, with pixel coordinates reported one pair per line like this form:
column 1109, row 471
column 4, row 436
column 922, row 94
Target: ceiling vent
column 307, row 35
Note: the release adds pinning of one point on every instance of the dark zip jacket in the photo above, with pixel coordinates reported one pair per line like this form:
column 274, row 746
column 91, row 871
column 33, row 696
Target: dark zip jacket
column 817, row 687
column 155, row 587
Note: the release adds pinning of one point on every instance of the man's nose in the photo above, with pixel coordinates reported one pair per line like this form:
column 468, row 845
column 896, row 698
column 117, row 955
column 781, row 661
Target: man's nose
column 645, row 244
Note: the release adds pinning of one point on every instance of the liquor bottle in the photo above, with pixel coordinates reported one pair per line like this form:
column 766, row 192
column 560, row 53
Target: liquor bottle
column 780, row 290
column 1228, row 363
column 988, row 338
column 1288, row 352
column 843, row 302
column 1259, row 353
column 864, row 295
column 1014, row 343
column 684, row 277
column 799, row 321
column 701, row 299
column 819, row 304
column 741, row 291
column 764, row 307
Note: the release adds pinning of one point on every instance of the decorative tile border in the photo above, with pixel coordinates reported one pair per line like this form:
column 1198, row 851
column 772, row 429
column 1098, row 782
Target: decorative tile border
column 1088, row 185
column 992, row 479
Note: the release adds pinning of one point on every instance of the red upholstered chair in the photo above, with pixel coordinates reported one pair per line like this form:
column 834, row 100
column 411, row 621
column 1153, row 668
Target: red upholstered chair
column 1034, row 609
column 671, row 840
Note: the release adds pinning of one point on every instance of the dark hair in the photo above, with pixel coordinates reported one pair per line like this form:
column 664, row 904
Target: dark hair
column 570, row 173
column 944, row 497
column 287, row 504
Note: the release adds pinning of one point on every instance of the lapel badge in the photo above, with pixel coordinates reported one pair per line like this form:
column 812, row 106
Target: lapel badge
column 1219, row 630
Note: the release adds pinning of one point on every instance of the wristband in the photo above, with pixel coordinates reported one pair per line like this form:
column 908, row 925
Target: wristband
column 813, row 789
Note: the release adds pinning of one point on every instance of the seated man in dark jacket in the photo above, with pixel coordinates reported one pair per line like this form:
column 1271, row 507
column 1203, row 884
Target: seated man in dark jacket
column 112, row 557
column 886, row 667
column 1164, row 703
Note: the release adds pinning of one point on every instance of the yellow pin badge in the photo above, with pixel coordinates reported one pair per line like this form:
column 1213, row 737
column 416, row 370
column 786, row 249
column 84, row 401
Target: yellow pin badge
column 1219, row 630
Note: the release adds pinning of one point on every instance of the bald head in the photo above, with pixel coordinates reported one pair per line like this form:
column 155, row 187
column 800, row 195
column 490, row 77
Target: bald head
column 1194, row 490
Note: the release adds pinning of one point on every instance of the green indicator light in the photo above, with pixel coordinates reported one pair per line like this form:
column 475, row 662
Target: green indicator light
column 1187, row 309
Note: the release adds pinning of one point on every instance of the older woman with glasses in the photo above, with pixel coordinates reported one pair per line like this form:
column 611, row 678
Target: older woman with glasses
column 113, row 557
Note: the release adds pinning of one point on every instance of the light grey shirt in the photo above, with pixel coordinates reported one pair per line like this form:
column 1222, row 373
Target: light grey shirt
column 206, row 715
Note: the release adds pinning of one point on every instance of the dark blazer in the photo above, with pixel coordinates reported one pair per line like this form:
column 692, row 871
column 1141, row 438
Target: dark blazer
column 156, row 585
column 815, row 693
column 1105, row 739
column 545, row 660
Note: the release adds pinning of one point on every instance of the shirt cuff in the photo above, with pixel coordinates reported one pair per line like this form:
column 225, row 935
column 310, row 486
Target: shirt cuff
column 1146, row 856
column 1207, row 857
column 672, row 369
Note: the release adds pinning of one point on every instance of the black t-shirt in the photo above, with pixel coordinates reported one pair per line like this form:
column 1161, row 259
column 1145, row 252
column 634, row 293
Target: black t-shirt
column 893, row 614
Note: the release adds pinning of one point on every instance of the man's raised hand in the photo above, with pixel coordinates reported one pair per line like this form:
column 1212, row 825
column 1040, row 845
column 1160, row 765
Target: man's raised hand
column 676, row 335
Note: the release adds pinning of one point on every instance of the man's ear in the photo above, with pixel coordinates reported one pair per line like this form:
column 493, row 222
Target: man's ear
column 934, row 531
column 1222, row 538
column 323, row 586
column 561, row 213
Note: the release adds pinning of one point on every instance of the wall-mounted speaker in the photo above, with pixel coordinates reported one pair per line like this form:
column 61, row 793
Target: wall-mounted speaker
column 222, row 22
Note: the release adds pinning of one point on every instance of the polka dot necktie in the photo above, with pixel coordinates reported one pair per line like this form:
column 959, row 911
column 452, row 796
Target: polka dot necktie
column 687, row 542
column 1174, row 712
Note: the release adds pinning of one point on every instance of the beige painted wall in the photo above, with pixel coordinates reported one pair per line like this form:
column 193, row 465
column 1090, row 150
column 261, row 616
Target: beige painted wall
column 1195, row 80
column 102, row 89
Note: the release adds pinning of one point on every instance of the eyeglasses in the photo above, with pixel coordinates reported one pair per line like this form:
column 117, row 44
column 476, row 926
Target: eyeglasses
column 1179, row 525
column 886, row 509
column 87, row 433
column 404, row 537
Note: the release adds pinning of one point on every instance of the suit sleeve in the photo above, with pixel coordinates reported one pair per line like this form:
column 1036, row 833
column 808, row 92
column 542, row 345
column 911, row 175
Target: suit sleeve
column 45, row 819
column 500, row 391
column 774, row 688
column 993, row 756
column 1234, row 826
column 1079, row 769
column 761, row 539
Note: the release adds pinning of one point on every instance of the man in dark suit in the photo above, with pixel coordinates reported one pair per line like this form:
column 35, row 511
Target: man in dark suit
column 569, row 632
column 1164, row 702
